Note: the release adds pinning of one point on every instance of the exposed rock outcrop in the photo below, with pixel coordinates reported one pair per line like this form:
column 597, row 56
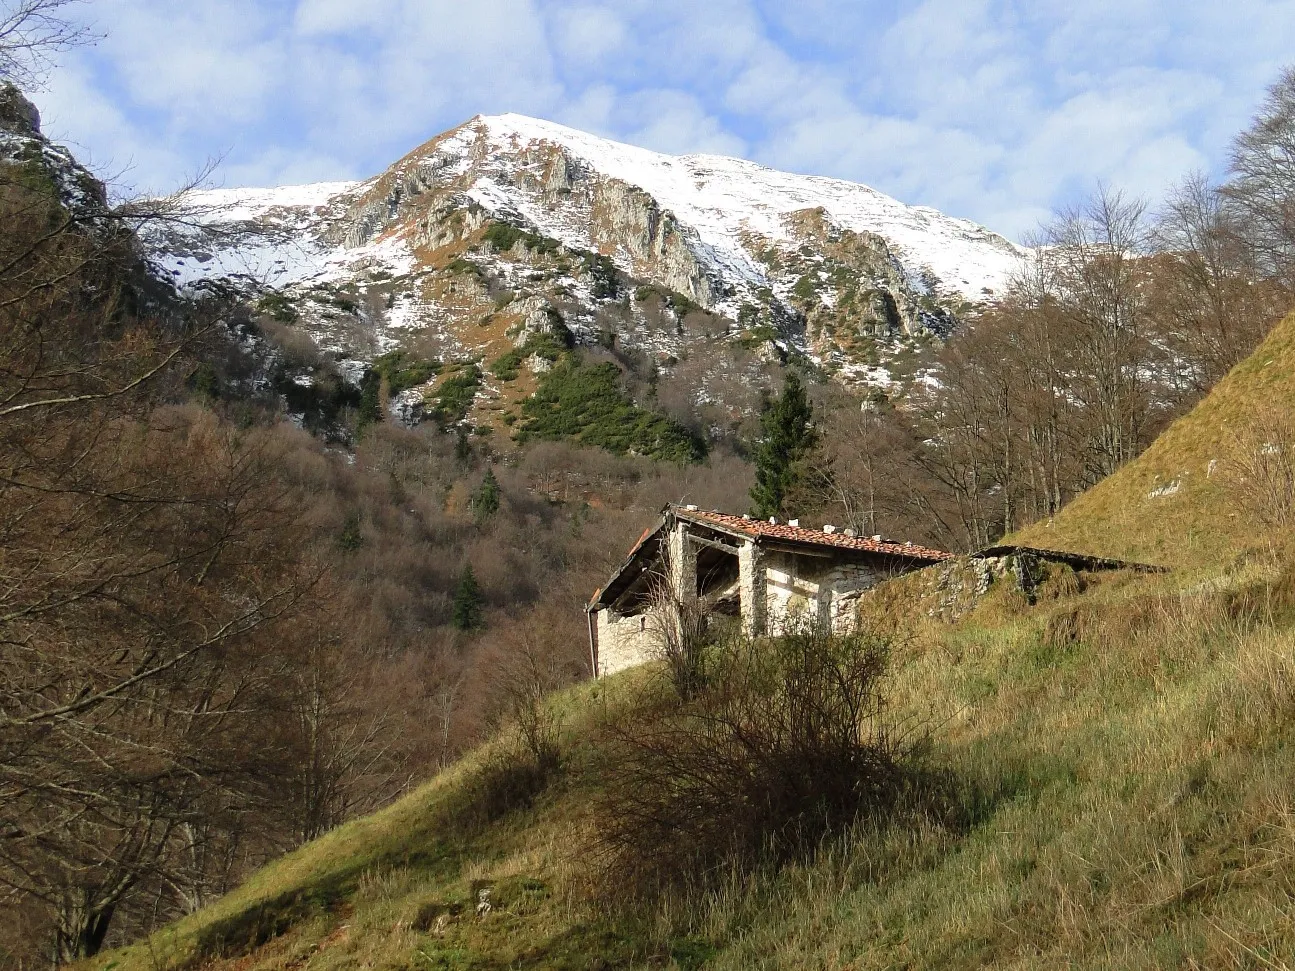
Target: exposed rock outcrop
column 17, row 114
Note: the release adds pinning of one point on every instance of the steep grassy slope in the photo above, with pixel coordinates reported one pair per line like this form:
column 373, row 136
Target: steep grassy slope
column 1124, row 757
column 1121, row 757
column 1174, row 504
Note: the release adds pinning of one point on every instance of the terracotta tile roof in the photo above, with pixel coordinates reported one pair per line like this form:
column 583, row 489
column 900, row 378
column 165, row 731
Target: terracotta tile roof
column 761, row 528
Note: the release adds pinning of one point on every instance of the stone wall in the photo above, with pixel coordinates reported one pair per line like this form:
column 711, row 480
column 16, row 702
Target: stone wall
column 624, row 642
column 816, row 589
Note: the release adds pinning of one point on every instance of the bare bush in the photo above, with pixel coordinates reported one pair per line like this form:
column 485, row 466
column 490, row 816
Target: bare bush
column 787, row 742
column 536, row 659
column 1262, row 468
column 679, row 627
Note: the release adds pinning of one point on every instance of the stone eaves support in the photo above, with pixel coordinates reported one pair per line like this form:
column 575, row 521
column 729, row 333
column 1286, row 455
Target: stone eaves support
column 752, row 587
column 683, row 563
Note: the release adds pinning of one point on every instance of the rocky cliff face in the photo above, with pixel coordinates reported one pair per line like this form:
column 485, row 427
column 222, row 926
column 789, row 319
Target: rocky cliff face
column 28, row 157
column 505, row 227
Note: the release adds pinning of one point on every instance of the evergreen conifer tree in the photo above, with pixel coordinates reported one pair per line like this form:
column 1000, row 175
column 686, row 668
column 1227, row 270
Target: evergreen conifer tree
column 370, row 410
column 485, row 501
column 787, row 439
column 466, row 613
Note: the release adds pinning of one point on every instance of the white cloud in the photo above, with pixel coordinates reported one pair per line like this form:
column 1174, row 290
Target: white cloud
column 325, row 17
column 985, row 108
column 587, row 37
column 677, row 123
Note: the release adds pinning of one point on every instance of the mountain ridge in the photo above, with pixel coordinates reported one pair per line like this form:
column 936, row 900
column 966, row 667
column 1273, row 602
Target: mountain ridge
column 491, row 231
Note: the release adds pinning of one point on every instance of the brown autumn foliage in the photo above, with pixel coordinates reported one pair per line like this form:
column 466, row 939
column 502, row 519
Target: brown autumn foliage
column 1118, row 324
column 218, row 638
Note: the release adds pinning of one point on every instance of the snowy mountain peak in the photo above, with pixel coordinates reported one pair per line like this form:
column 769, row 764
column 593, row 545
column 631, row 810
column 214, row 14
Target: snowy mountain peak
column 722, row 198
column 509, row 227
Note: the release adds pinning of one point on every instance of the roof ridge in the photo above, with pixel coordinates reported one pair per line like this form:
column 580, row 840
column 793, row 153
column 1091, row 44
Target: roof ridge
column 759, row 528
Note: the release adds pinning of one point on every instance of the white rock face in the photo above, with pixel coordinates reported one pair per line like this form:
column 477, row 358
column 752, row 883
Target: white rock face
column 720, row 199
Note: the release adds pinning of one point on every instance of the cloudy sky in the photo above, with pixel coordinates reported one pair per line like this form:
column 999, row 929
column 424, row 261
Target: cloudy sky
column 992, row 110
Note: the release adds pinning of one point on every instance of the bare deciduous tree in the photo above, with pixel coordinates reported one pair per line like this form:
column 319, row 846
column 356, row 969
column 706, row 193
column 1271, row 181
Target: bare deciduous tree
column 32, row 32
column 1262, row 183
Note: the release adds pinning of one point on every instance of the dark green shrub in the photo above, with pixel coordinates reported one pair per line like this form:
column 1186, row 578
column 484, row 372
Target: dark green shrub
column 586, row 404
column 504, row 236
column 403, row 371
column 278, row 307
column 350, row 538
column 455, row 395
column 467, row 611
column 602, row 269
column 806, row 288
column 485, row 500
column 370, row 409
column 459, row 265
column 547, row 346
column 204, row 382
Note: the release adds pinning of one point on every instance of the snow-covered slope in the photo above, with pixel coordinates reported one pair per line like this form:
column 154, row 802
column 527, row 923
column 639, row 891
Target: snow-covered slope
column 497, row 229
column 722, row 198
column 720, row 202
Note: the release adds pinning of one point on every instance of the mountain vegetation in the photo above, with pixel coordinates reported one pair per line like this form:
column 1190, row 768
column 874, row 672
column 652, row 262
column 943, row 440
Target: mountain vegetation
column 293, row 668
column 787, row 439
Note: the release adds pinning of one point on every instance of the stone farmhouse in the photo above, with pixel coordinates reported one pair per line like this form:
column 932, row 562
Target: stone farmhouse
column 761, row 571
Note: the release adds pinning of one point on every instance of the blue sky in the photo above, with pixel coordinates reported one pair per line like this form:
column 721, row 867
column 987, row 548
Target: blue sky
column 995, row 111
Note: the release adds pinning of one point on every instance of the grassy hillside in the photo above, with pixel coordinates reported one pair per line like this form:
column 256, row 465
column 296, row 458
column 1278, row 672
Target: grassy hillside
column 1120, row 766
column 1124, row 757
column 1169, row 506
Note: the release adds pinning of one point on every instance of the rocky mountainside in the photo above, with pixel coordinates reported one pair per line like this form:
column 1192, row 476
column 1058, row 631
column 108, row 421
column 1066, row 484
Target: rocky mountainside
column 28, row 158
column 508, row 234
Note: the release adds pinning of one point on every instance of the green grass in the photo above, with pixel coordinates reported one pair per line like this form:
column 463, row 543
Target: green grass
column 1124, row 799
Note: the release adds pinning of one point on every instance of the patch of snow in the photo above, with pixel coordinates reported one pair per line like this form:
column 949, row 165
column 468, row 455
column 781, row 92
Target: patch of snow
column 1168, row 489
column 721, row 197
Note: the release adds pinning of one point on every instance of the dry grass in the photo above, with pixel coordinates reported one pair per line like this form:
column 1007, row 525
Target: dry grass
column 1195, row 520
column 1126, row 757
column 1133, row 780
